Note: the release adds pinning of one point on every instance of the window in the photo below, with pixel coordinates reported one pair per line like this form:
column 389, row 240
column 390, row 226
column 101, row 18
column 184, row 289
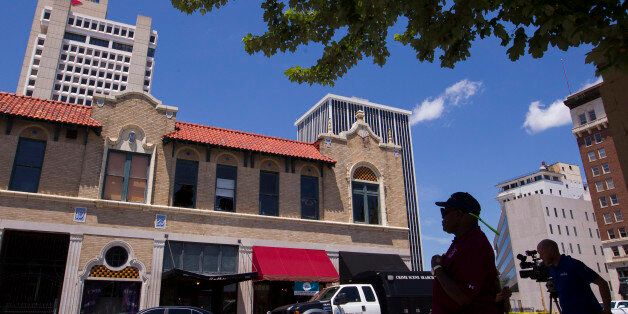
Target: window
column 551, row 229
column 559, row 231
column 575, row 231
column 599, row 186
column 27, row 165
column 606, row 168
column 586, row 214
column 590, row 233
column 611, row 233
column 562, row 246
column 592, row 115
column 579, row 250
column 582, row 118
column 126, row 176
column 99, row 42
column 74, row 37
column 151, row 52
column 615, row 250
column 618, row 215
column 587, row 141
column 123, row 47
column 563, row 210
column 622, row 232
column 368, row 294
column 603, row 201
column 269, row 193
column 116, row 256
column 567, row 230
column 596, row 171
column 309, row 197
column 594, row 250
column 597, row 232
column 547, row 211
column 610, row 184
column 555, row 212
column 614, row 200
column 225, row 187
column 351, row 293
column 591, row 156
column 571, row 213
column 608, row 219
column 602, row 153
column 185, row 180
column 571, row 248
column 200, row 257
column 597, row 137
column 365, row 203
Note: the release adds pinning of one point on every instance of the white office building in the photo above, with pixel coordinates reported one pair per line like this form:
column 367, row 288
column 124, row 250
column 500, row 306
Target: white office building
column 74, row 52
column 551, row 203
column 335, row 114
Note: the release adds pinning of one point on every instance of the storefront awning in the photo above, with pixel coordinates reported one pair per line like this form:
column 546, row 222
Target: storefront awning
column 352, row 264
column 179, row 274
column 284, row 264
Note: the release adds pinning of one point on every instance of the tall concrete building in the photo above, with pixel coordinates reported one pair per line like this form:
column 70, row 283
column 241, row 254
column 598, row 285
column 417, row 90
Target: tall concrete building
column 598, row 150
column 334, row 114
column 74, row 51
column 551, row 203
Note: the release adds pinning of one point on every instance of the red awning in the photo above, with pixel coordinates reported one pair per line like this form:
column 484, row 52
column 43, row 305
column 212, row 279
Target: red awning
column 283, row 264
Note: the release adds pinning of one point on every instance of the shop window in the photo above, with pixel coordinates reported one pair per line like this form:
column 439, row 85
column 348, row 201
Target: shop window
column 200, row 258
column 269, row 193
column 225, row 187
column 27, row 165
column 309, row 197
column 185, row 180
column 126, row 177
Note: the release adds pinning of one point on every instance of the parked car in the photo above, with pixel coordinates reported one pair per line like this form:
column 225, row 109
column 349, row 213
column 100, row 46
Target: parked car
column 372, row 293
column 174, row 310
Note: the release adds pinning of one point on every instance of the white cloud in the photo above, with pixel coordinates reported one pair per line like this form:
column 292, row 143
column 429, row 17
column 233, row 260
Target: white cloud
column 433, row 108
column 590, row 83
column 540, row 118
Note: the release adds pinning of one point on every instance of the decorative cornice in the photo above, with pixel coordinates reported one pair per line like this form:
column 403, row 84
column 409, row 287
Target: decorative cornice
column 117, row 97
column 597, row 124
column 362, row 129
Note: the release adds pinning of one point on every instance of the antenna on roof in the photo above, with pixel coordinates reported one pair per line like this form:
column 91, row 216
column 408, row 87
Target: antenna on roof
column 562, row 61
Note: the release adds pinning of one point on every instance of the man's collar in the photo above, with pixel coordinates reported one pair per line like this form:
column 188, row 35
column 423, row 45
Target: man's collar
column 467, row 234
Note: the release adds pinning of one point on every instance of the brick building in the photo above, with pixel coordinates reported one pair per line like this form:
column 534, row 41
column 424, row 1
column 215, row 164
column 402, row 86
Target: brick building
column 119, row 205
column 607, row 183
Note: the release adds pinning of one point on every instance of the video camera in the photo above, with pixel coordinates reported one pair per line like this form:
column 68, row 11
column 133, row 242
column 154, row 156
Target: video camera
column 535, row 269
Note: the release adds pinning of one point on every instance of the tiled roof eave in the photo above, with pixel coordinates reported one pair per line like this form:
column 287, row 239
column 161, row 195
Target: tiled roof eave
column 169, row 138
column 28, row 118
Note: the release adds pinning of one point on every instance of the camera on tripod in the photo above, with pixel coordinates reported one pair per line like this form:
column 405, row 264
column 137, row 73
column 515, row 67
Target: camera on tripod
column 534, row 269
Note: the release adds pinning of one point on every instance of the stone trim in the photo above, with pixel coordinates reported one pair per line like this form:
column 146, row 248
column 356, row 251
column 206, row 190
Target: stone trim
column 99, row 203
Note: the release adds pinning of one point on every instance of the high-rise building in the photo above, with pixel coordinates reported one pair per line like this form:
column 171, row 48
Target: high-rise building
column 389, row 123
column 73, row 52
column 551, row 203
column 598, row 150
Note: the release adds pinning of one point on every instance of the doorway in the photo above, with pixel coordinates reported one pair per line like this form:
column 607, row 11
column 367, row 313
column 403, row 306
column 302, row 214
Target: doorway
column 32, row 267
column 111, row 297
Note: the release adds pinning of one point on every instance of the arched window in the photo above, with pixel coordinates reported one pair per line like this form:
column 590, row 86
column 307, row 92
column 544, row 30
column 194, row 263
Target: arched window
column 365, row 195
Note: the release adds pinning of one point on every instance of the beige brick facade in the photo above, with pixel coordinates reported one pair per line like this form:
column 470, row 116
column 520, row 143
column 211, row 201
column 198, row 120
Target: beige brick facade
column 72, row 176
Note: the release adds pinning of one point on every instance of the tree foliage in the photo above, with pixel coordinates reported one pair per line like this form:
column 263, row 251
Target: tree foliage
column 351, row 30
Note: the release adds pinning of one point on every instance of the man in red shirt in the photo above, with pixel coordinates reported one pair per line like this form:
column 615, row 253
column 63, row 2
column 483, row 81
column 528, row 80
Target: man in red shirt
column 466, row 276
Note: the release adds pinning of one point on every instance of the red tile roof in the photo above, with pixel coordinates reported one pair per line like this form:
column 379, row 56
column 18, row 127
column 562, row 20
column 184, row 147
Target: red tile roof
column 47, row 110
column 246, row 141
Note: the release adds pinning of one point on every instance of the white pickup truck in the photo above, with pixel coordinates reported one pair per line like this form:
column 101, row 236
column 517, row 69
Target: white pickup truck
column 342, row 299
column 373, row 293
column 619, row 307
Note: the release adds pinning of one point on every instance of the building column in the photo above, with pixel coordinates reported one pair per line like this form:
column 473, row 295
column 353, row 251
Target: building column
column 71, row 294
column 156, row 269
column 334, row 257
column 245, row 288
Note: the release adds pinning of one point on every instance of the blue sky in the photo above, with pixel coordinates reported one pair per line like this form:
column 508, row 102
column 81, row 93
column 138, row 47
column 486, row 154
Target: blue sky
column 470, row 136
